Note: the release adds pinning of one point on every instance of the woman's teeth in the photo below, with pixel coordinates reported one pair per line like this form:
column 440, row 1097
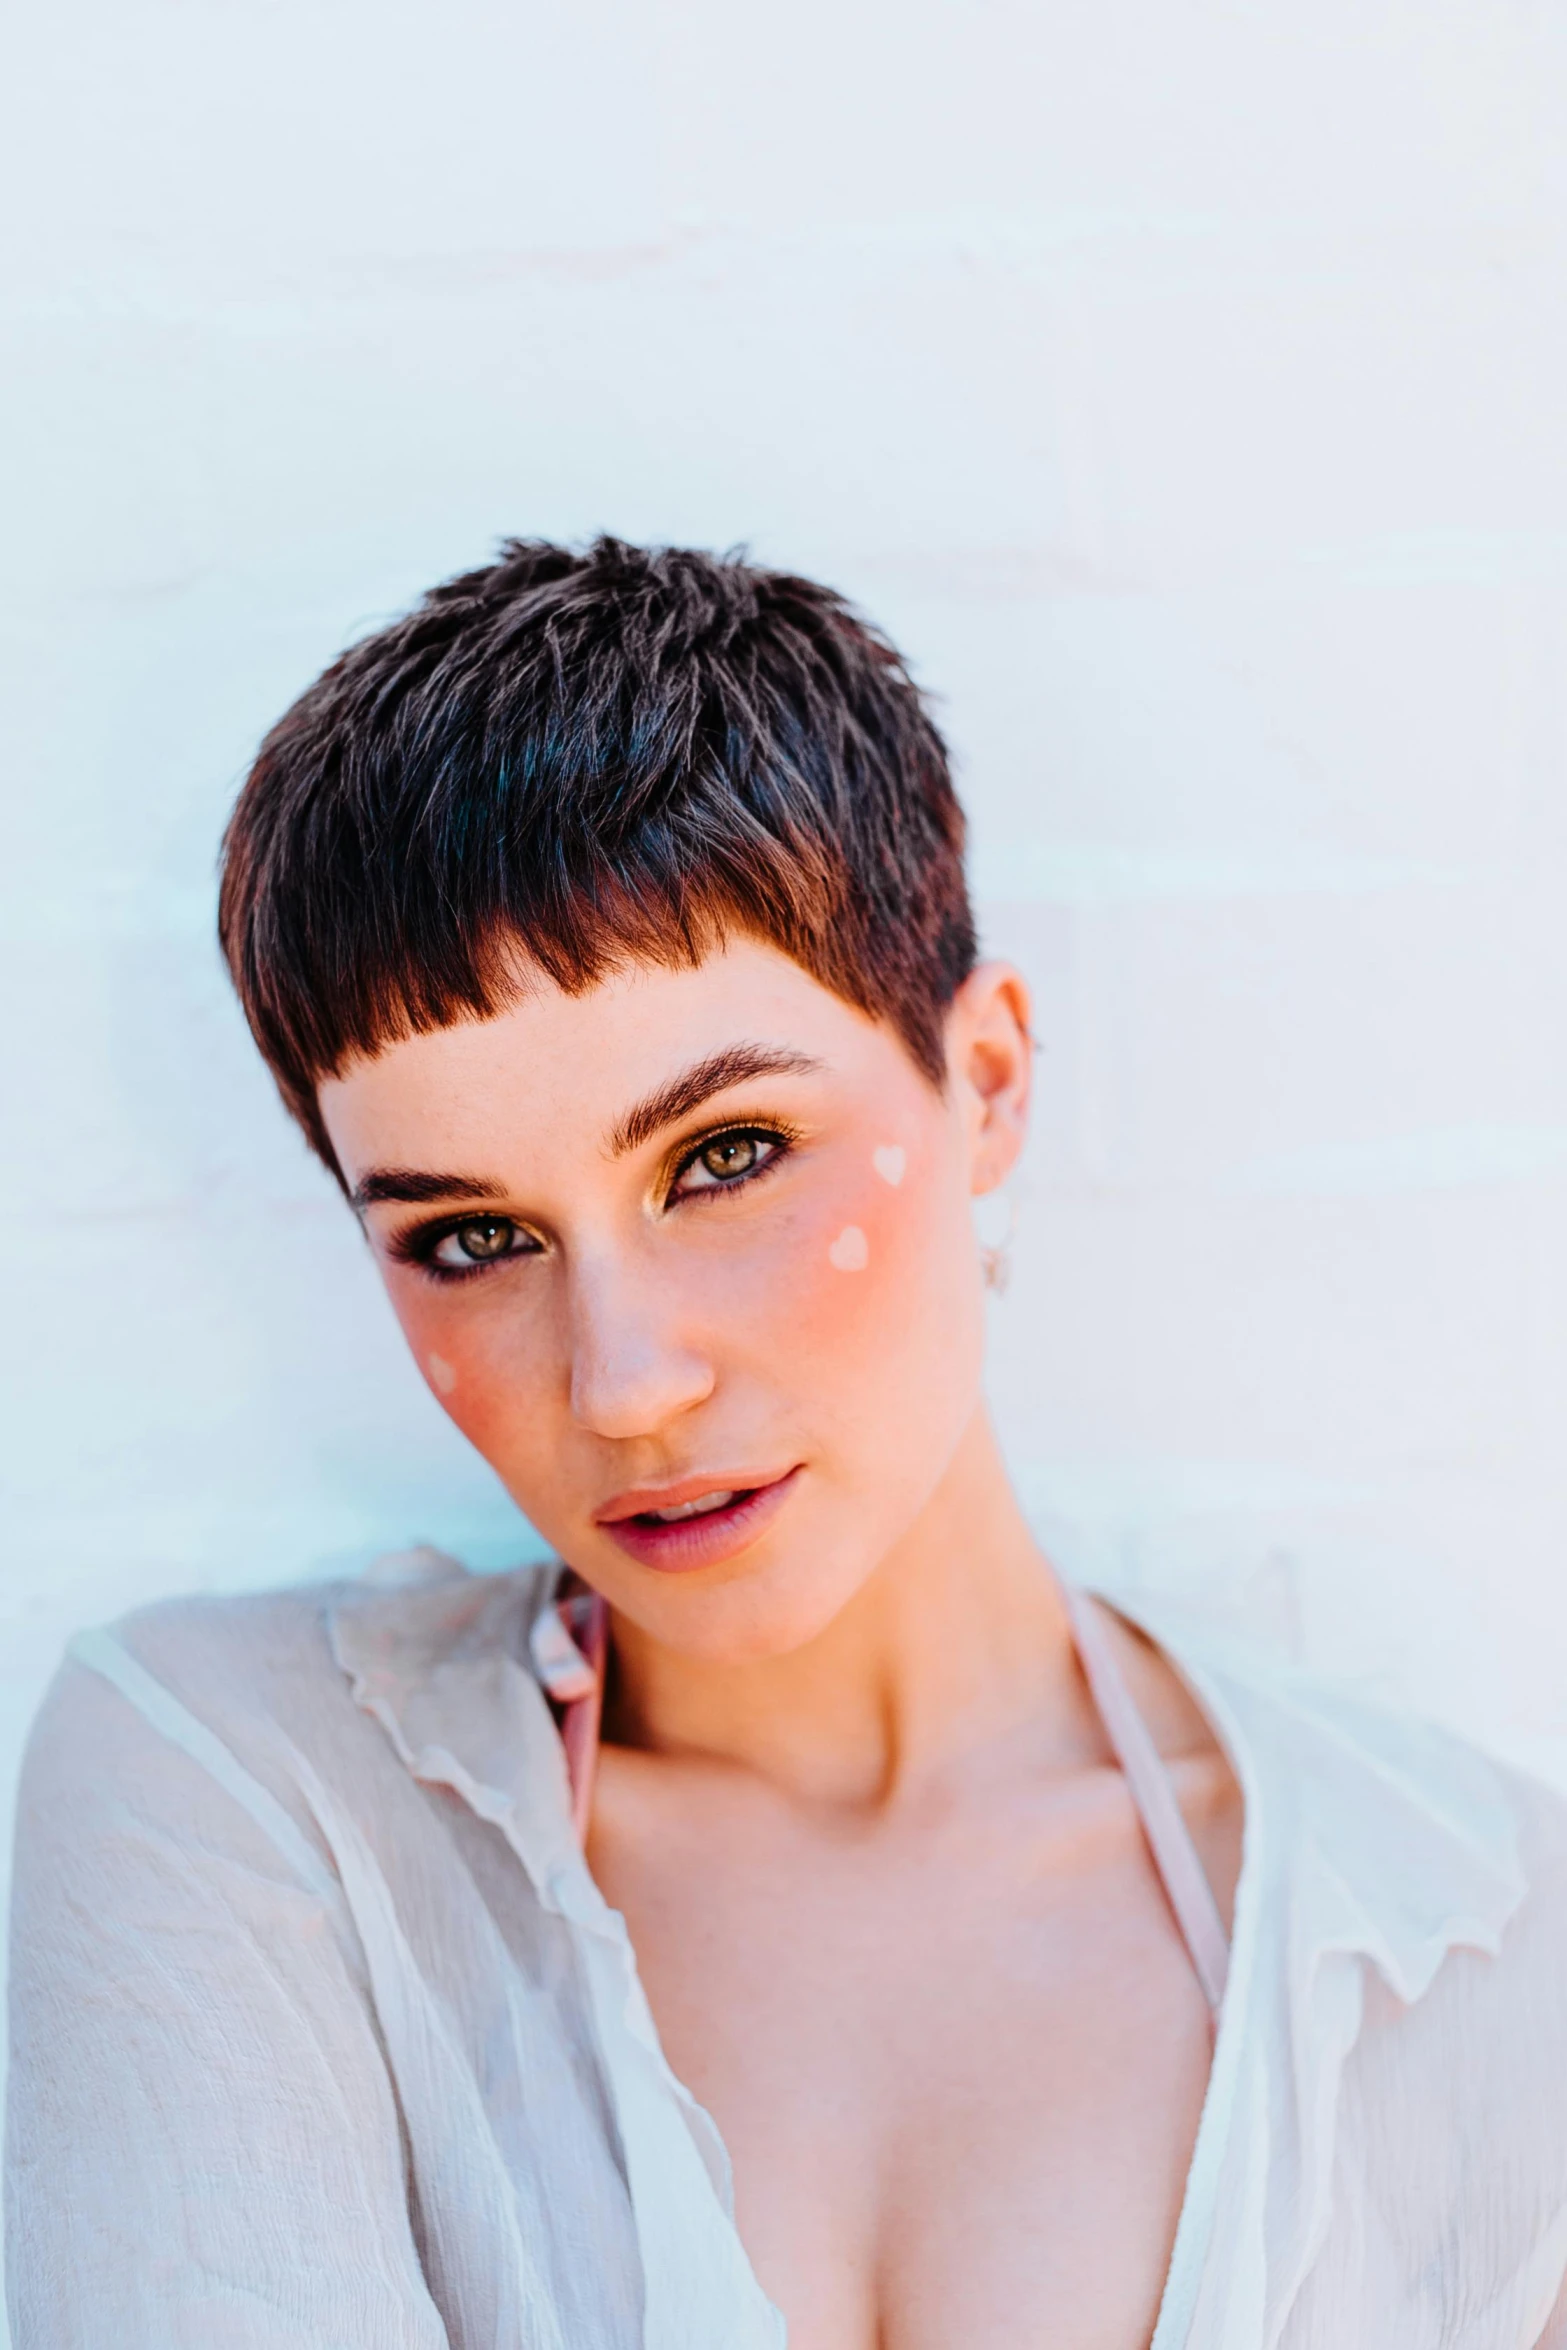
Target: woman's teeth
column 692, row 1509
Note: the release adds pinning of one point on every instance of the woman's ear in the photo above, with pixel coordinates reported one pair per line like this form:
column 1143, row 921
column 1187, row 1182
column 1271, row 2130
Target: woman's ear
column 990, row 1068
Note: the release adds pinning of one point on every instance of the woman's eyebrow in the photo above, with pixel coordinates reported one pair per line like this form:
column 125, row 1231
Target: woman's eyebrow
column 692, row 1087
column 414, row 1185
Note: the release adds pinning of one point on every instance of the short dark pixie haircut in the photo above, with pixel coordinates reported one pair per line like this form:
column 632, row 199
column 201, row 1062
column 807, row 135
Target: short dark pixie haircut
column 577, row 760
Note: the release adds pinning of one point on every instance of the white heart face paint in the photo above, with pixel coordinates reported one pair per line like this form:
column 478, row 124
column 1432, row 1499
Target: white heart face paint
column 442, row 1376
column 890, row 1161
column 851, row 1251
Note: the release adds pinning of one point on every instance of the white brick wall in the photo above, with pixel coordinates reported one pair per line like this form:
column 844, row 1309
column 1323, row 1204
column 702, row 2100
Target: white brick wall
column 1183, row 385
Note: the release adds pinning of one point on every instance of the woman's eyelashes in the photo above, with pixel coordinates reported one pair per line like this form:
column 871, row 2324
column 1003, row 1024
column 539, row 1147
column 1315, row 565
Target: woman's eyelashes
column 458, row 1247
column 727, row 1161
column 462, row 1246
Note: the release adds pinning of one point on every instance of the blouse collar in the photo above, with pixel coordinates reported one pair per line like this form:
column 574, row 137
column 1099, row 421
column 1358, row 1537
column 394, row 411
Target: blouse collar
column 1404, row 1832
column 1369, row 1836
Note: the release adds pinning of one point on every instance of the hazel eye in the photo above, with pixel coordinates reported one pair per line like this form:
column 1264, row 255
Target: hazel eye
column 732, row 1154
column 478, row 1242
column 725, row 1162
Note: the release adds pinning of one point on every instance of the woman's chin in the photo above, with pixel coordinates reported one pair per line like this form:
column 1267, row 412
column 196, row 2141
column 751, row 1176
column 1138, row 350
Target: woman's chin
column 764, row 1608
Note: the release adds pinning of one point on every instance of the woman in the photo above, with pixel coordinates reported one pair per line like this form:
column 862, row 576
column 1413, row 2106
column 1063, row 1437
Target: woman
column 408, row 1963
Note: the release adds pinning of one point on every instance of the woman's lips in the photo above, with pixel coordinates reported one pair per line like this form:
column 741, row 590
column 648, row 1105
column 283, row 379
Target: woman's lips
column 677, row 1545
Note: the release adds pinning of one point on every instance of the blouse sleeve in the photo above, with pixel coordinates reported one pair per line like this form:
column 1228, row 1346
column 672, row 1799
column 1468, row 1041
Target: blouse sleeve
column 203, row 2148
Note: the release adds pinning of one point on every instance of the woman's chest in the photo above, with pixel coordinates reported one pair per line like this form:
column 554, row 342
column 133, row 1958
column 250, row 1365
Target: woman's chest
column 959, row 2083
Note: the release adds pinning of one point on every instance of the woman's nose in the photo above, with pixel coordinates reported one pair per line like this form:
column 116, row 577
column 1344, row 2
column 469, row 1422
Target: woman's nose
column 631, row 1370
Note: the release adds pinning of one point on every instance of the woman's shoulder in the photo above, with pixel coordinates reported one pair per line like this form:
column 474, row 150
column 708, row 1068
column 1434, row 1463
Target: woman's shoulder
column 225, row 1661
column 1381, row 1831
column 1394, row 2045
column 244, row 1639
column 409, row 1612
column 310, row 1674
column 1449, row 2145
column 154, row 1723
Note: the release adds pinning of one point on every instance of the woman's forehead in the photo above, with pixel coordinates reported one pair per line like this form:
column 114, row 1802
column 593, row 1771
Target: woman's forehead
column 590, row 1069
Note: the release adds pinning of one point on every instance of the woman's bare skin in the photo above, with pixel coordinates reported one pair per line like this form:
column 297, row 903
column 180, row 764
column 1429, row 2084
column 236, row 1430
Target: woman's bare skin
column 945, row 2023
column 891, row 1903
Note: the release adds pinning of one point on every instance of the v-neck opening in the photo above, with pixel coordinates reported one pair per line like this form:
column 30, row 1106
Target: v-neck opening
column 1194, row 2223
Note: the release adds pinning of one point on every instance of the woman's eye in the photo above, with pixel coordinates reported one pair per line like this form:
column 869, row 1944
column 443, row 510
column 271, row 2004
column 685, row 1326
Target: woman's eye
column 727, row 1159
column 478, row 1242
column 736, row 1154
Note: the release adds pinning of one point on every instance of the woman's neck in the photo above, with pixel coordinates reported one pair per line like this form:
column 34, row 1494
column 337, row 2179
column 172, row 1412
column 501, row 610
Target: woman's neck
column 958, row 1639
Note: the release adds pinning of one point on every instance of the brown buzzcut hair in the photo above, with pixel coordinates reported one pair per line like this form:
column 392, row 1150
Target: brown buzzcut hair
column 594, row 757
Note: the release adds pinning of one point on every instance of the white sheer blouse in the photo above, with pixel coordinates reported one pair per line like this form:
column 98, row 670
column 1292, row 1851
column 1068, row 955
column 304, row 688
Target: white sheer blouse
column 324, row 2037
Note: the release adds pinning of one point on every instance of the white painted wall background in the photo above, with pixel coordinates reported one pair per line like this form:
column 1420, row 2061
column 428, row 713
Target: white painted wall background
column 1184, row 386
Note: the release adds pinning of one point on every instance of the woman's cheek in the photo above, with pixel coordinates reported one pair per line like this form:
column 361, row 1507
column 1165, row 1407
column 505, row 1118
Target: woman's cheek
column 456, row 1350
column 885, row 1310
column 443, row 1353
column 831, row 1275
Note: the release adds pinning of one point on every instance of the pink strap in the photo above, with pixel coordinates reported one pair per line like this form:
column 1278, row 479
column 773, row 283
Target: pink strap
column 1169, row 1839
column 581, row 1716
column 585, row 1620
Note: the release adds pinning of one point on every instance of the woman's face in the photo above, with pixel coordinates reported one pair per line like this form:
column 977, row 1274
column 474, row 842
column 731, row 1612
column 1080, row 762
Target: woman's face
column 689, row 1258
